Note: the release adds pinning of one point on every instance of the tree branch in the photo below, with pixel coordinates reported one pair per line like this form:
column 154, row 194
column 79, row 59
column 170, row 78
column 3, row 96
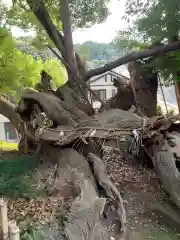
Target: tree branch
column 54, row 34
column 43, row 17
column 77, row 77
column 132, row 57
column 68, row 40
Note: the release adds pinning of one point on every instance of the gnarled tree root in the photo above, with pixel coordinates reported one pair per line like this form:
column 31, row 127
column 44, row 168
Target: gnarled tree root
column 110, row 190
column 86, row 219
column 164, row 163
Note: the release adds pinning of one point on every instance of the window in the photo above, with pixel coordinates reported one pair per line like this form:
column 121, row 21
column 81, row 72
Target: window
column 10, row 131
column 100, row 93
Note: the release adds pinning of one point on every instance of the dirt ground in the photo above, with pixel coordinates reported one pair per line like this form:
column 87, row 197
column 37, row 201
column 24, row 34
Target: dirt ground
column 140, row 187
column 144, row 195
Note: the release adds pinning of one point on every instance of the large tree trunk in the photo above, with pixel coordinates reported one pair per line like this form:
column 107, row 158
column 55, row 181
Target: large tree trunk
column 88, row 217
column 71, row 129
column 89, row 177
column 63, row 124
column 65, row 16
column 144, row 84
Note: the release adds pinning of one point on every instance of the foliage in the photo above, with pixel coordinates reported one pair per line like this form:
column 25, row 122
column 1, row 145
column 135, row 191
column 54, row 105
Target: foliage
column 159, row 110
column 157, row 21
column 55, row 69
column 171, row 112
column 90, row 52
column 84, row 51
column 97, row 52
column 43, row 17
column 32, row 232
column 20, row 70
column 83, row 14
column 61, row 218
column 128, row 40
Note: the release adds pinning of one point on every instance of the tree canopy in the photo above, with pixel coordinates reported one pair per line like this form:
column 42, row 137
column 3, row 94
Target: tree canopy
column 96, row 53
column 153, row 23
column 83, row 14
column 20, row 70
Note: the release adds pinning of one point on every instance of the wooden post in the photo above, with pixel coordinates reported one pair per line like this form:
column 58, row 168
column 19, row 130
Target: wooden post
column 4, row 219
column 14, row 232
column 11, row 225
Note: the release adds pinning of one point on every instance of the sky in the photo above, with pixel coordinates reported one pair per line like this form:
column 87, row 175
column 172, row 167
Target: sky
column 103, row 32
column 106, row 31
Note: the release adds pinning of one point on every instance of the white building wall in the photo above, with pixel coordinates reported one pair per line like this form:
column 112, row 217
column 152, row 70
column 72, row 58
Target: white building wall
column 2, row 128
column 103, row 83
column 2, row 132
column 97, row 104
column 3, row 119
column 109, row 90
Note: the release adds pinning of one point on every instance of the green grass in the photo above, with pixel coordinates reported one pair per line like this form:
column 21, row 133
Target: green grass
column 16, row 176
column 5, row 146
column 32, row 232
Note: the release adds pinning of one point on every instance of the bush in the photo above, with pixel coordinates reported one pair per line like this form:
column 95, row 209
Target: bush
column 16, row 177
column 159, row 111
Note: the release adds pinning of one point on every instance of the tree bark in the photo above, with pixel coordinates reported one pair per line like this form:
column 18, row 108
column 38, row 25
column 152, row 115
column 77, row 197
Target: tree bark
column 87, row 181
column 144, row 85
column 68, row 40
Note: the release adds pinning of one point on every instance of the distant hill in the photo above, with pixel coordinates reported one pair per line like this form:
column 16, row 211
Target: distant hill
column 90, row 51
column 94, row 51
